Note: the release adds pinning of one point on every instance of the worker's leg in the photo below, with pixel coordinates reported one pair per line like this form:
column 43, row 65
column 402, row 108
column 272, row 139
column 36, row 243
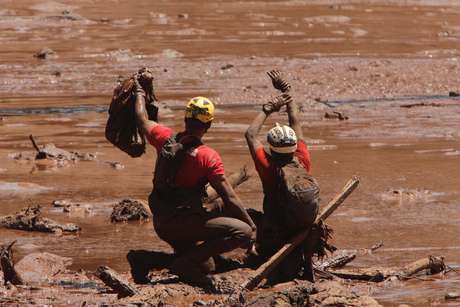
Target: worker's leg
column 218, row 235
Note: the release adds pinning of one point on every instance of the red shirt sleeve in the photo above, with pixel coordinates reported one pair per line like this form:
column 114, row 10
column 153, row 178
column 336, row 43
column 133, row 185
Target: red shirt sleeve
column 158, row 135
column 303, row 155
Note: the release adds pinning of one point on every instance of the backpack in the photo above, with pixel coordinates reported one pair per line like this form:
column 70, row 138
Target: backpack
column 299, row 196
column 121, row 129
column 170, row 159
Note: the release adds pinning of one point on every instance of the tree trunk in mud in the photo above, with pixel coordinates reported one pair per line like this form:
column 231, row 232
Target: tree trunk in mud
column 7, row 265
column 116, row 282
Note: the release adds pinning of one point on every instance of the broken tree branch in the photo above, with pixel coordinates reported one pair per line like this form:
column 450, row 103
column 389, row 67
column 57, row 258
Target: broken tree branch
column 234, row 179
column 116, row 282
column 336, row 262
column 271, row 264
column 7, row 265
column 432, row 264
column 369, row 274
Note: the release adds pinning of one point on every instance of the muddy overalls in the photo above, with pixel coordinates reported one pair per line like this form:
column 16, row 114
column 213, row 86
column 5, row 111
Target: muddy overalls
column 178, row 214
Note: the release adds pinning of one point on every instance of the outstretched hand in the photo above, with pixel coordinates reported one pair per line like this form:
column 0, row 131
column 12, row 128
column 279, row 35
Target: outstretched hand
column 276, row 103
column 278, row 82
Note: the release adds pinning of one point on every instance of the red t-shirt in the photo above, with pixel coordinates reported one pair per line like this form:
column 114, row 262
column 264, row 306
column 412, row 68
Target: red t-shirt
column 267, row 171
column 200, row 164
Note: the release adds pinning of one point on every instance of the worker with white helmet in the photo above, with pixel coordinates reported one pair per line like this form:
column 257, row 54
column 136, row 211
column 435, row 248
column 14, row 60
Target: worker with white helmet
column 286, row 148
column 184, row 166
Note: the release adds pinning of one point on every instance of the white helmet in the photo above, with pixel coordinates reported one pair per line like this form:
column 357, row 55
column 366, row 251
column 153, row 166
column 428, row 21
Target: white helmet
column 282, row 139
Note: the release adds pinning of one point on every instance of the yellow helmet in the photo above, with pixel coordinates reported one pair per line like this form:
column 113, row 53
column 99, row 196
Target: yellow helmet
column 200, row 108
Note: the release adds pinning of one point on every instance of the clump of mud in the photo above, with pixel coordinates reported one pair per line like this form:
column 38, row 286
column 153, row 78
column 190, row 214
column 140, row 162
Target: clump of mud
column 130, row 210
column 30, row 219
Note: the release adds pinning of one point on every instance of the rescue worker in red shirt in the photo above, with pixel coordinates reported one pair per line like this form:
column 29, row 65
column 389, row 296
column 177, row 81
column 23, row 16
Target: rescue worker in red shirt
column 184, row 167
column 280, row 222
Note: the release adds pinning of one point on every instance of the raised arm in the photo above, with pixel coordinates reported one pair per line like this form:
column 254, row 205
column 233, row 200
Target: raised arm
column 293, row 116
column 252, row 132
column 142, row 118
column 273, row 105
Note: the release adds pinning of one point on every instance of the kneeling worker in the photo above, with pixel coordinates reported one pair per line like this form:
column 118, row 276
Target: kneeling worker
column 184, row 167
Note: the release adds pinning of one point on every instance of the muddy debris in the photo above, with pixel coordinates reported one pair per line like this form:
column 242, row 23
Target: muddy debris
column 10, row 275
column 452, row 296
column 70, row 207
column 130, row 210
column 30, row 219
column 227, row 66
column 52, row 153
column 335, row 115
column 422, row 104
column 115, row 165
column 45, row 53
column 183, row 16
column 115, row 281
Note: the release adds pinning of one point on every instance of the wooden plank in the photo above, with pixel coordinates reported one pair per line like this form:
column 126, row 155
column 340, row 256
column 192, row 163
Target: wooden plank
column 115, row 281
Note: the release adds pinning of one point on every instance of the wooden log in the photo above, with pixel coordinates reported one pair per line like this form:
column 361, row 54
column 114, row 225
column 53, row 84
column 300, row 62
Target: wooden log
column 235, row 179
column 116, row 282
column 433, row 265
column 336, row 262
column 7, row 265
column 374, row 275
column 271, row 264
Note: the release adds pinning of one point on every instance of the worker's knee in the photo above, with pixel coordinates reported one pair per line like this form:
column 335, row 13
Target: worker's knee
column 242, row 232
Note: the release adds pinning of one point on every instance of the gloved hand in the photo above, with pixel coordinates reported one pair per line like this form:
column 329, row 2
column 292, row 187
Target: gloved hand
column 275, row 104
column 138, row 89
column 278, row 82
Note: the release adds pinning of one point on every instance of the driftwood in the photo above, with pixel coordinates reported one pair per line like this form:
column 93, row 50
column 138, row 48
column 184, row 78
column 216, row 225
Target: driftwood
column 361, row 274
column 336, row 262
column 30, row 219
column 234, row 179
column 268, row 266
column 116, row 282
column 7, row 265
column 433, row 265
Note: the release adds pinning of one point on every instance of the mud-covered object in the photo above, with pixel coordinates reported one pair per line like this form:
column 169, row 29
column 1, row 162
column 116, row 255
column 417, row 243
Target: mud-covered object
column 121, row 128
column 30, row 219
column 130, row 210
column 299, row 196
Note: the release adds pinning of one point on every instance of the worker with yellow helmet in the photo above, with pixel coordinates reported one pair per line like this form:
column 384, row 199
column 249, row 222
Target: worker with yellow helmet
column 184, row 166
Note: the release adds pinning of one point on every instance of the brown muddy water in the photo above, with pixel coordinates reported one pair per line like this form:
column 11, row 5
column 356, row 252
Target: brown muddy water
column 347, row 53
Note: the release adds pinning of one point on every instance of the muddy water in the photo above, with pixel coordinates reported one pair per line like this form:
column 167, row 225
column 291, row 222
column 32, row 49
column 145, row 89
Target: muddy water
column 341, row 51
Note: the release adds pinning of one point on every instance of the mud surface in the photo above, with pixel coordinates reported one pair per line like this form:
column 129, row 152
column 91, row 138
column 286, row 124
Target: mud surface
column 366, row 59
